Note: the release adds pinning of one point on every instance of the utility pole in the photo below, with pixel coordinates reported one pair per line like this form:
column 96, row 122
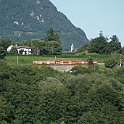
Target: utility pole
column 55, row 58
column 17, row 60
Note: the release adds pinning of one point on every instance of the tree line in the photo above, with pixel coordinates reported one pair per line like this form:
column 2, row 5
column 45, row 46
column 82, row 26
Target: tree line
column 103, row 45
column 49, row 44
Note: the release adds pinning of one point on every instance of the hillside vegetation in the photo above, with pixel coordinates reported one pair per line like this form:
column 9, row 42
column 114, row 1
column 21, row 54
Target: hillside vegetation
column 40, row 95
column 37, row 94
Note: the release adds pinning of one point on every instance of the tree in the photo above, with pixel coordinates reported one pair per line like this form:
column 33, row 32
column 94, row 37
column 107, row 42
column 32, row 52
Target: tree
column 87, row 118
column 102, row 46
column 110, row 63
column 114, row 44
column 52, row 36
column 117, row 57
column 54, row 47
column 50, row 44
column 122, row 50
column 97, row 45
column 4, row 44
column 2, row 109
column 2, row 52
column 38, row 45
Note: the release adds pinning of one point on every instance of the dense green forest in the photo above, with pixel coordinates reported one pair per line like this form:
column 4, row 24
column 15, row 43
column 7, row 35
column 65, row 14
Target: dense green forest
column 39, row 95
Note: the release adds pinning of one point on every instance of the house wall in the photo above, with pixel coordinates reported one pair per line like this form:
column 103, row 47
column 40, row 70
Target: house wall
column 26, row 51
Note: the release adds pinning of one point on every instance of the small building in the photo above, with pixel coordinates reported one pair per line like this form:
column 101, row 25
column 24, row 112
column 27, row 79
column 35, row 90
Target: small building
column 24, row 50
column 9, row 48
column 72, row 48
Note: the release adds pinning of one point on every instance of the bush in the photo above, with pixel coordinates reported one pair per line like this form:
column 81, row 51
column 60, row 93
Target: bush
column 90, row 61
column 2, row 53
column 110, row 63
column 82, row 69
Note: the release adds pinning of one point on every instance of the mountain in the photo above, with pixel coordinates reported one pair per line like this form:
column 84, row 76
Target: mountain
column 28, row 19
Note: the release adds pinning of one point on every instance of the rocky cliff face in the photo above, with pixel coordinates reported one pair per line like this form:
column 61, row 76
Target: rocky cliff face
column 28, row 19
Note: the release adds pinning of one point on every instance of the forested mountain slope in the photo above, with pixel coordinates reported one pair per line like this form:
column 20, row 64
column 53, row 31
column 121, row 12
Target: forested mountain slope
column 29, row 19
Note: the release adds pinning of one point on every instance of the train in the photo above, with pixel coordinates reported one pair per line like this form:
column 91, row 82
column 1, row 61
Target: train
column 63, row 62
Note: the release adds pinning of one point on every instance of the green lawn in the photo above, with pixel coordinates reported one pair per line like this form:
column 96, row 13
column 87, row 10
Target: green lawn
column 25, row 59
column 29, row 59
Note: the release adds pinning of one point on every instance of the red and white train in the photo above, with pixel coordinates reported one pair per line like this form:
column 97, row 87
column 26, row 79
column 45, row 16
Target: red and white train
column 63, row 62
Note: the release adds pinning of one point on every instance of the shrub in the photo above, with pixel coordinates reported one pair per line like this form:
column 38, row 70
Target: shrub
column 110, row 63
column 90, row 60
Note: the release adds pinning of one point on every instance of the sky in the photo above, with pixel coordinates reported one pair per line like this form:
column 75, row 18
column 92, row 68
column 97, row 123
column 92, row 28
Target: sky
column 94, row 16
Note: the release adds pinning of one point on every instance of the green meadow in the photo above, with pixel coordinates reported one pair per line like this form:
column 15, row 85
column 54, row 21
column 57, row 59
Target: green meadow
column 22, row 59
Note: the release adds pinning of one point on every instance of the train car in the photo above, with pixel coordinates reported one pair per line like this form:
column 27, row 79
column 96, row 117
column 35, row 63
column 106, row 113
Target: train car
column 68, row 62
column 63, row 62
column 44, row 62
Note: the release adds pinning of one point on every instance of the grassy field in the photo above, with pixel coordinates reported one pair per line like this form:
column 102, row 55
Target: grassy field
column 24, row 59
column 29, row 59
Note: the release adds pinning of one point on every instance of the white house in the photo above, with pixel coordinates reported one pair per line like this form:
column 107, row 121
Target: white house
column 9, row 48
column 24, row 50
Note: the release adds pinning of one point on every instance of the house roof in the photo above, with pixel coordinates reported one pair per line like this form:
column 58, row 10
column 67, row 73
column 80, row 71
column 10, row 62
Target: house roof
column 18, row 47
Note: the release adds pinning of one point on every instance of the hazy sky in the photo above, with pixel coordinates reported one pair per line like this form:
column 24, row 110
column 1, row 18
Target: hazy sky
column 94, row 16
